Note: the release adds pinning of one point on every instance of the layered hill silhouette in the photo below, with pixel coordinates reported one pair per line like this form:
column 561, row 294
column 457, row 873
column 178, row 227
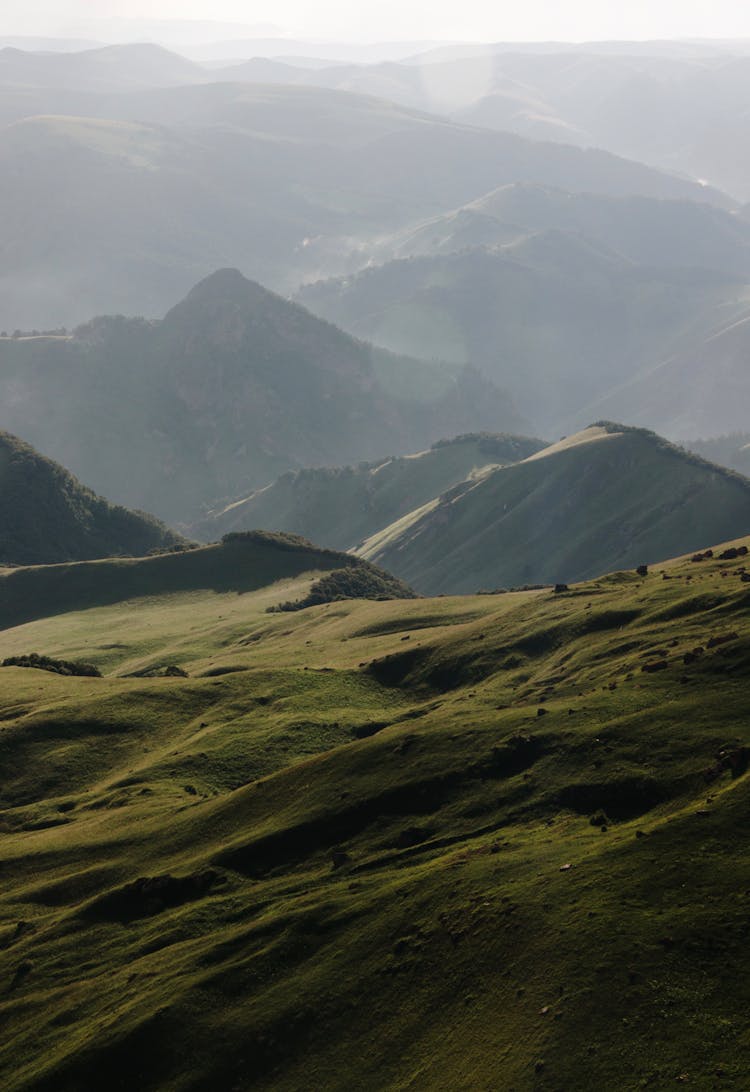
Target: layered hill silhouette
column 610, row 497
column 557, row 318
column 205, row 176
column 645, row 230
column 341, row 506
column 234, row 386
column 47, row 516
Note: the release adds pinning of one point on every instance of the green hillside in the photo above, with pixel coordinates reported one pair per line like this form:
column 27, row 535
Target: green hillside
column 239, row 563
column 348, row 851
column 234, row 386
column 341, row 506
column 46, row 515
column 609, row 497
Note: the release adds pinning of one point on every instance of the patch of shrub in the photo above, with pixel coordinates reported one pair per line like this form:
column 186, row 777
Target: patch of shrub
column 58, row 667
column 362, row 582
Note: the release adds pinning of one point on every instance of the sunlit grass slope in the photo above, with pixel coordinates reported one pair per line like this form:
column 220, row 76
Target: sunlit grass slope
column 360, row 858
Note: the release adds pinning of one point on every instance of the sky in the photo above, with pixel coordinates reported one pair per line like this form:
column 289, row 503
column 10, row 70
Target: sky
column 368, row 20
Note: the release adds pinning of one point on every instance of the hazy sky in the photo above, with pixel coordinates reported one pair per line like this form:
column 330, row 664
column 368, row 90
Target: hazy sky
column 485, row 20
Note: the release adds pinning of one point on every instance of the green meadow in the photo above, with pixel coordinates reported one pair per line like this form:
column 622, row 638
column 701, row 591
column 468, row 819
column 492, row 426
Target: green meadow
column 452, row 843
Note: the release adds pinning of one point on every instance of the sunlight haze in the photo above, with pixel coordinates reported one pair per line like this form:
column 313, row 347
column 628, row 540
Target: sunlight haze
column 480, row 20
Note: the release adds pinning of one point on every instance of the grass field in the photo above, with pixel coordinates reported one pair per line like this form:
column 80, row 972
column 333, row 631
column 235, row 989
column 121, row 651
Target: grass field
column 454, row 843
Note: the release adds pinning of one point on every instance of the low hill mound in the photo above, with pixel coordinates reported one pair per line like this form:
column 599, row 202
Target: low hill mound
column 47, row 516
column 609, row 497
column 240, row 563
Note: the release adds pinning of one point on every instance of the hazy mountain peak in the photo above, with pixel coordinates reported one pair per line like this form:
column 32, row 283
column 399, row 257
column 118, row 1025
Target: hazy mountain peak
column 224, row 284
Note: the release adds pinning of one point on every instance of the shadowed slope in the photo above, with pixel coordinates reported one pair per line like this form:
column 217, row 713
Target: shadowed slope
column 46, row 515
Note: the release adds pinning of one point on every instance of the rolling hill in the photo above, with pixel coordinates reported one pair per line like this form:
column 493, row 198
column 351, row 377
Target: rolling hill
column 610, row 497
column 234, row 386
column 265, row 874
column 341, row 506
column 557, row 319
column 239, row 564
column 46, row 515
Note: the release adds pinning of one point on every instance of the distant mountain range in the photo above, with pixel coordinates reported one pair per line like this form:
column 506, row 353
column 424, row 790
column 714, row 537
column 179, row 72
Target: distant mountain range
column 125, row 177
column 234, row 386
column 47, row 516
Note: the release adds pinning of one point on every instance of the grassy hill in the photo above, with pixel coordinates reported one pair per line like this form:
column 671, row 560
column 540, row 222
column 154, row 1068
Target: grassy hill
column 233, row 387
column 608, row 497
column 361, row 857
column 556, row 319
column 239, row 563
column 46, row 515
column 341, row 506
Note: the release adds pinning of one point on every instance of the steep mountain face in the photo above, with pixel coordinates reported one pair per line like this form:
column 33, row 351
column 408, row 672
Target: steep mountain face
column 555, row 318
column 702, row 389
column 232, row 388
column 607, row 498
column 47, row 516
column 283, row 182
column 341, row 506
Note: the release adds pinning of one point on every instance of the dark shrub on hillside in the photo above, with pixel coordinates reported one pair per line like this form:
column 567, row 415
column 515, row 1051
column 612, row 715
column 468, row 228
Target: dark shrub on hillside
column 59, row 667
column 364, row 582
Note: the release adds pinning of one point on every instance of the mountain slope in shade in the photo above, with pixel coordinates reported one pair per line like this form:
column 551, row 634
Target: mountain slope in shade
column 233, row 387
column 47, row 516
column 341, row 506
column 701, row 390
column 555, row 318
column 610, row 497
